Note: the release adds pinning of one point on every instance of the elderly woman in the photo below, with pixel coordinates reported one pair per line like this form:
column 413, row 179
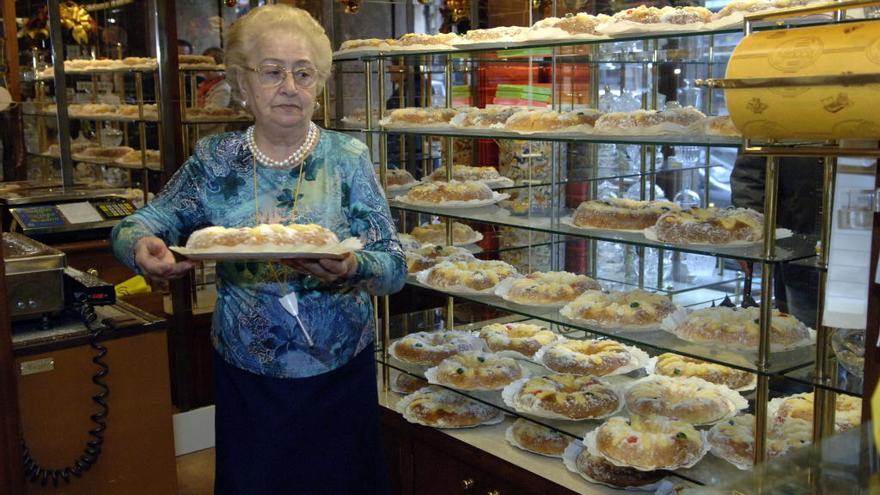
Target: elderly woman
column 290, row 418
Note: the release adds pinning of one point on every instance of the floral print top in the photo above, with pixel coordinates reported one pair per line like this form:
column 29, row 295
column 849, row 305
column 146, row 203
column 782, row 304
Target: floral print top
column 221, row 185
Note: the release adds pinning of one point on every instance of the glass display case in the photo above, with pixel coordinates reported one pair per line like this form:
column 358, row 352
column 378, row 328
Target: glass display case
column 553, row 172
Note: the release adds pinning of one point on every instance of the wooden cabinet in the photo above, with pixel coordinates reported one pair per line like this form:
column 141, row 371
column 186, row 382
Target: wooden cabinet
column 425, row 461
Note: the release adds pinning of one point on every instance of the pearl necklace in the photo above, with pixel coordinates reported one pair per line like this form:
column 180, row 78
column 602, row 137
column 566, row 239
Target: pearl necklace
column 294, row 159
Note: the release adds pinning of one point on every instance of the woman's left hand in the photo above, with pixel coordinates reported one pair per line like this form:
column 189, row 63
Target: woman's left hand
column 326, row 270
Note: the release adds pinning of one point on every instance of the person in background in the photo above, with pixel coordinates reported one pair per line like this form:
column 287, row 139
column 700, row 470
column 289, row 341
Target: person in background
column 214, row 91
column 184, row 47
column 800, row 183
column 290, row 417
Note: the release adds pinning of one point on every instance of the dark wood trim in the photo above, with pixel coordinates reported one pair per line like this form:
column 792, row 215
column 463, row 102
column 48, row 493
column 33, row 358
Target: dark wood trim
column 11, row 469
column 83, row 246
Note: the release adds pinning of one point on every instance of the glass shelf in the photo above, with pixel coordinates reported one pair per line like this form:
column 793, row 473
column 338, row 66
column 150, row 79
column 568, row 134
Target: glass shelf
column 709, row 471
column 464, row 50
column 789, row 249
column 844, row 382
column 843, row 464
column 682, row 140
column 653, row 341
column 140, row 166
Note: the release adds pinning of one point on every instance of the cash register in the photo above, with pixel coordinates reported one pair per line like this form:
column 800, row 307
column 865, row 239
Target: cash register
column 51, row 213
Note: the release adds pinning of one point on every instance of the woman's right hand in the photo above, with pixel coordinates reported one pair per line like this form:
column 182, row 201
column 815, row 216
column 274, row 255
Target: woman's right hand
column 157, row 262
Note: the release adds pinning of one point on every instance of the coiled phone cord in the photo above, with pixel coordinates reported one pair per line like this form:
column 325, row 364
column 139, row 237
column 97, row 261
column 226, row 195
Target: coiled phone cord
column 37, row 473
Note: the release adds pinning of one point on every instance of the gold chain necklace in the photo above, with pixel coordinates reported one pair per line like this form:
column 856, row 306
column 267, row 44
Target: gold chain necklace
column 278, row 273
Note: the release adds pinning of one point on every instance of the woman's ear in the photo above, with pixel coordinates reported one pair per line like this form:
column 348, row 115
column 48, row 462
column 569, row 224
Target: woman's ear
column 243, row 88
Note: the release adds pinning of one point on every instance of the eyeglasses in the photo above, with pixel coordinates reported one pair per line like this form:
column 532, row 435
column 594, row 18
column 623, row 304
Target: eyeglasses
column 270, row 75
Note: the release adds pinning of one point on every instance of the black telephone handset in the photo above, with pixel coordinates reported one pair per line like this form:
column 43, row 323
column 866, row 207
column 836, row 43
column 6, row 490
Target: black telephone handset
column 84, row 290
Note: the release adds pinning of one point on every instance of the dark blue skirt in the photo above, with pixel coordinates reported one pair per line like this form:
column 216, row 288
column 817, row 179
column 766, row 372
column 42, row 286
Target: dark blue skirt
column 316, row 435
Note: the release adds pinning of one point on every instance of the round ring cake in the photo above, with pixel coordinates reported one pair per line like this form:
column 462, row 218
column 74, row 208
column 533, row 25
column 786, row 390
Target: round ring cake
column 549, row 288
column 572, row 396
column 740, row 327
column 800, row 406
column 633, row 309
column 435, row 233
column 261, row 236
column 421, row 116
column 710, row 226
column 580, row 23
column 466, row 173
column 523, row 338
column 429, row 255
column 430, row 348
column 476, row 275
column 689, row 399
column 676, row 366
column 407, row 384
column 649, row 443
column 734, row 440
column 484, row 118
column 537, row 438
column 598, row 469
column 441, row 192
column 443, row 408
column 397, row 177
column 642, row 120
column 476, row 370
column 587, row 357
column 549, row 120
column 620, row 213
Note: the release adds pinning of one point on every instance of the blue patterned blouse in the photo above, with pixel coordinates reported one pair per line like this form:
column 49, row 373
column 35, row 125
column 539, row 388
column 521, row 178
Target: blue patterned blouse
column 251, row 330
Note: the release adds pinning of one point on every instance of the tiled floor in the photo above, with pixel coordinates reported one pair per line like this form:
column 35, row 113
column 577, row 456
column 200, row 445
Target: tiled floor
column 195, row 473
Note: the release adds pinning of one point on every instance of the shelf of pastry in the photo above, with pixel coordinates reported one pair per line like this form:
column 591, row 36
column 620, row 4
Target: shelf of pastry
column 119, row 162
column 108, row 117
column 567, row 137
column 710, row 470
column 842, row 381
column 490, row 46
column 790, row 248
column 652, row 341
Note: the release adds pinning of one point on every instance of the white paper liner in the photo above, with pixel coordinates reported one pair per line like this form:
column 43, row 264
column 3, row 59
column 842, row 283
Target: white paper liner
column 651, row 368
column 503, row 289
column 390, row 125
column 431, row 376
column 400, row 188
column 554, row 34
column 672, row 322
column 567, row 220
column 664, row 129
column 270, row 251
column 590, row 444
column 422, row 277
column 734, row 402
column 624, row 27
column 471, row 343
column 722, row 452
column 569, row 313
column 569, row 458
column 493, row 183
column 638, row 361
column 476, row 203
column 573, row 131
column 651, row 234
column 508, row 435
column 404, row 402
column 510, row 392
column 476, row 237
